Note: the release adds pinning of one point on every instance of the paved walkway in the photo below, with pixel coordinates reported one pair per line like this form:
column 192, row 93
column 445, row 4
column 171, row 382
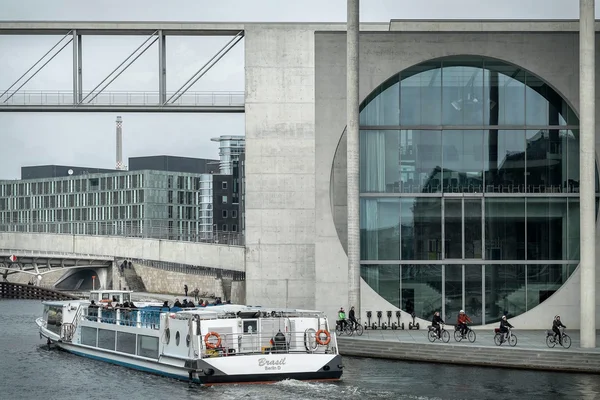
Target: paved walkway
column 529, row 339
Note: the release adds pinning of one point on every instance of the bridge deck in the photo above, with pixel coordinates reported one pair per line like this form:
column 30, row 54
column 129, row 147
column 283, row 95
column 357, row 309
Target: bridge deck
column 9, row 290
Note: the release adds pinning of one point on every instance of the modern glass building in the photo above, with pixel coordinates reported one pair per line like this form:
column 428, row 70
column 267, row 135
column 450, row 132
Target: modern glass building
column 154, row 204
column 469, row 181
column 230, row 149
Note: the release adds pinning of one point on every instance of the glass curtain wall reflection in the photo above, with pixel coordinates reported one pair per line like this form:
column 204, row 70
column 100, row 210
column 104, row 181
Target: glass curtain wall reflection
column 465, row 161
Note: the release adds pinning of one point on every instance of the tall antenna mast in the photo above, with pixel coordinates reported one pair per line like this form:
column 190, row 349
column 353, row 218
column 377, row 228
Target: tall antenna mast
column 120, row 165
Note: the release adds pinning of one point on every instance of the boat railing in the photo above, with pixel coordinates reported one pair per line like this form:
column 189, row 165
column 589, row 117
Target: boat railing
column 230, row 344
column 138, row 318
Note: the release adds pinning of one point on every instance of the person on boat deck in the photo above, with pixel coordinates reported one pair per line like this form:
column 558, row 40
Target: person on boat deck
column 342, row 318
column 177, row 303
column 352, row 317
column 165, row 305
column 190, row 304
column 504, row 325
column 436, row 323
column 462, row 322
column 109, row 305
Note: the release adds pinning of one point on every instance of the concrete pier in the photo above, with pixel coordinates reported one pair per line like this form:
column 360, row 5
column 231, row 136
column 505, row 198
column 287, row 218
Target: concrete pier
column 352, row 155
column 530, row 352
column 587, row 107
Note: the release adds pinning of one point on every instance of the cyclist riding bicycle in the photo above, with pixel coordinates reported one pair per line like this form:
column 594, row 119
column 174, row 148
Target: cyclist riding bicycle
column 462, row 322
column 504, row 325
column 352, row 318
column 436, row 323
column 556, row 324
column 342, row 318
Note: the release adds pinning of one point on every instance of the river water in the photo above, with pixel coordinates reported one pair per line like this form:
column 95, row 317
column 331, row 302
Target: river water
column 28, row 370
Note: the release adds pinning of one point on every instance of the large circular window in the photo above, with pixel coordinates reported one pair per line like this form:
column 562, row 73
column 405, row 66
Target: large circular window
column 469, row 181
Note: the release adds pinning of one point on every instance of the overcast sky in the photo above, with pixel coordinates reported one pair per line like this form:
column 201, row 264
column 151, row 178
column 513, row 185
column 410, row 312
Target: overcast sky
column 88, row 139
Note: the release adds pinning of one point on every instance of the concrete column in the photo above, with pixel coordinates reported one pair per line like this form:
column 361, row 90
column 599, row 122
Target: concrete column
column 587, row 106
column 352, row 154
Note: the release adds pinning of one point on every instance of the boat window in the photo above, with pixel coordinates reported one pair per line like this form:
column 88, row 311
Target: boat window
column 88, row 336
column 54, row 319
column 126, row 297
column 106, row 339
column 105, row 296
column 187, row 340
column 126, row 342
column 147, row 346
column 94, row 296
column 177, row 337
column 167, row 335
column 250, row 326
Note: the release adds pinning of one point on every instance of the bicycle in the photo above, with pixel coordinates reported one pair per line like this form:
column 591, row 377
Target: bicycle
column 339, row 331
column 470, row 335
column 433, row 336
column 511, row 338
column 359, row 329
column 551, row 339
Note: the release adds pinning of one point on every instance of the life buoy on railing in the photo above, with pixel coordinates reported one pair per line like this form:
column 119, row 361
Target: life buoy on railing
column 327, row 339
column 210, row 345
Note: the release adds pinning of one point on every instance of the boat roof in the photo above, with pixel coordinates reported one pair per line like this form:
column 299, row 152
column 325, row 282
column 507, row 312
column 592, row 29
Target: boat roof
column 60, row 303
column 222, row 309
column 111, row 291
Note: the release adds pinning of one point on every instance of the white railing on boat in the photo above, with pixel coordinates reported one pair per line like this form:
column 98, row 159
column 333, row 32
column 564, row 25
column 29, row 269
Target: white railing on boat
column 232, row 344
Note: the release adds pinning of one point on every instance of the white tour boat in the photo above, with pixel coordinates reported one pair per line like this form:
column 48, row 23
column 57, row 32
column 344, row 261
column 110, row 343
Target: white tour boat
column 208, row 345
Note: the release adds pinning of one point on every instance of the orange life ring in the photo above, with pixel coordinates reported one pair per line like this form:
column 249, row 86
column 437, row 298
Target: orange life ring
column 321, row 341
column 208, row 344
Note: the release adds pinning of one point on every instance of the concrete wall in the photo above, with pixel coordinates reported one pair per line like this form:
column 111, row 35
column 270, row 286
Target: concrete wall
column 207, row 255
column 280, row 165
column 552, row 56
column 160, row 281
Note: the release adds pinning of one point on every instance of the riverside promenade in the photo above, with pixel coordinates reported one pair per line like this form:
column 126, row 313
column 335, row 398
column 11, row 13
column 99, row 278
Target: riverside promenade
column 530, row 352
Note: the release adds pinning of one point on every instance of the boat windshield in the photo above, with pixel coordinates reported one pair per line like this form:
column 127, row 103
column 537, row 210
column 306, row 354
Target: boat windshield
column 53, row 318
column 126, row 297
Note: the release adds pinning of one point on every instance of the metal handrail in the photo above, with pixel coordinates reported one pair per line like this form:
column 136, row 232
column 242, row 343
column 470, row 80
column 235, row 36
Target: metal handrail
column 131, row 229
column 132, row 98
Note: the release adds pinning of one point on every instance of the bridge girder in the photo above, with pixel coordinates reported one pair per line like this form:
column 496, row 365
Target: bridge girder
column 160, row 101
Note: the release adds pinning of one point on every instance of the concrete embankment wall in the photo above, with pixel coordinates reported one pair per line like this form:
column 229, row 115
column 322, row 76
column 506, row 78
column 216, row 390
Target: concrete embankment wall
column 571, row 361
column 48, row 280
column 159, row 280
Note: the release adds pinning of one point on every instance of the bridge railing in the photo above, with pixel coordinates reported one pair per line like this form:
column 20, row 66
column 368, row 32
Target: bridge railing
column 133, row 229
column 58, row 254
column 122, row 98
column 10, row 290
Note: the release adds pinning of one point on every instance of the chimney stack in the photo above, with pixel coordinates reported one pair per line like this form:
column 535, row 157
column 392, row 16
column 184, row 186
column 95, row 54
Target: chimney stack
column 120, row 165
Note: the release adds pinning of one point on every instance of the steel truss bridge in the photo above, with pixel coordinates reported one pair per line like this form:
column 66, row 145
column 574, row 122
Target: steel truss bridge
column 14, row 99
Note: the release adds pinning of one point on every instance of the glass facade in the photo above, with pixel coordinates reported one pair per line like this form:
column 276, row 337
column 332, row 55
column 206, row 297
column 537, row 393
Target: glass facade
column 154, row 204
column 469, row 180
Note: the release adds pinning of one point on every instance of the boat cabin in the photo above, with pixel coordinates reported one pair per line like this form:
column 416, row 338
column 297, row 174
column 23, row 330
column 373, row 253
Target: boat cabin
column 115, row 296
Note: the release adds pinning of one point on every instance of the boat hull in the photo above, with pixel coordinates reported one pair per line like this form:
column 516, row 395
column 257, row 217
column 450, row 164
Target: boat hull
column 225, row 370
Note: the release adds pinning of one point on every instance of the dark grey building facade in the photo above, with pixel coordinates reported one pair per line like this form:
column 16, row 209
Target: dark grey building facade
column 174, row 164
column 225, row 204
column 57, row 171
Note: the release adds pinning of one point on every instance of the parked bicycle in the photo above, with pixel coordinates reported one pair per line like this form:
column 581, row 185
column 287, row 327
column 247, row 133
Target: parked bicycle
column 433, row 335
column 469, row 335
column 552, row 339
column 509, row 337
